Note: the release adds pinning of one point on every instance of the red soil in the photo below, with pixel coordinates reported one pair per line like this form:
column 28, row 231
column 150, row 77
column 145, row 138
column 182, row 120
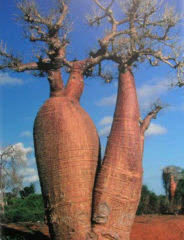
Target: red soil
column 150, row 227
column 158, row 228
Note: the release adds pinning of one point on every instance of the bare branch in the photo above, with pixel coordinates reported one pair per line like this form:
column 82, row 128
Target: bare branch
column 106, row 75
column 107, row 13
column 12, row 158
column 46, row 28
column 102, row 7
column 96, row 20
column 9, row 61
column 144, row 124
column 156, row 57
column 32, row 66
column 63, row 11
column 144, row 32
column 31, row 13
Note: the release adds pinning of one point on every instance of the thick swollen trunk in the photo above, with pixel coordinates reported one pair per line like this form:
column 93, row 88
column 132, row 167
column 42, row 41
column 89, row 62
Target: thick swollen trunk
column 66, row 148
column 118, row 186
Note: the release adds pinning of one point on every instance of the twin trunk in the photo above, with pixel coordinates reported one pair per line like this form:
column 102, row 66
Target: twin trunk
column 66, row 149
column 119, row 182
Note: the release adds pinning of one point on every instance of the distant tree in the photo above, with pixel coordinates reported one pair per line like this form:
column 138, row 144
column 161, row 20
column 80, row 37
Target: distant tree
column 149, row 202
column 12, row 158
column 31, row 208
column 170, row 173
column 27, row 191
column 179, row 195
column 144, row 201
column 163, row 205
column 153, row 203
column 172, row 176
column 166, row 181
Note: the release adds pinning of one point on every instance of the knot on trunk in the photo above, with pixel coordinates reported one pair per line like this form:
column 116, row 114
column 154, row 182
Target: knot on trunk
column 102, row 213
column 92, row 236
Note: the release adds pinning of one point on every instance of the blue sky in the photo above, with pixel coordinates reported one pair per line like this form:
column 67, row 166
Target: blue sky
column 22, row 95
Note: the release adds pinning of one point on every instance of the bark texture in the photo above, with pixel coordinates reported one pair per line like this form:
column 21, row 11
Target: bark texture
column 66, row 149
column 118, row 186
column 173, row 186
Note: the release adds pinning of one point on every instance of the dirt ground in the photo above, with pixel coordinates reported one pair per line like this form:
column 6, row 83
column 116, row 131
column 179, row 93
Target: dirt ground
column 149, row 227
column 158, row 228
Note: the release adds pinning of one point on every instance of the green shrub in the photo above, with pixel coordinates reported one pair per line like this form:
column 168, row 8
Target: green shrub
column 150, row 203
column 144, row 201
column 164, row 206
column 24, row 210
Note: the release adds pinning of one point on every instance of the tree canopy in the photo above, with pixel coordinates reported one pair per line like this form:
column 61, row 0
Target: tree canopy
column 137, row 31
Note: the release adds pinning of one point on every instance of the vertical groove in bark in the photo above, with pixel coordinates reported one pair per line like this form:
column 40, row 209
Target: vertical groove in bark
column 56, row 83
column 75, row 85
column 66, row 149
column 119, row 182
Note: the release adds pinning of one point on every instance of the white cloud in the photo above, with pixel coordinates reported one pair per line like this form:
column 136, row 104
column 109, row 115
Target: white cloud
column 29, row 174
column 18, row 151
column 104, row 132
column 6, row 79
column 31, row 179
column 105, row 121
column 150, row 93
column 155, row 129
column 25, row 134
column 27, row 171
column 107, row 101
column 21, row 151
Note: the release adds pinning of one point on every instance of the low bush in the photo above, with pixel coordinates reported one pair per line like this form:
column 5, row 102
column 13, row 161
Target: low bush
column 25, row 210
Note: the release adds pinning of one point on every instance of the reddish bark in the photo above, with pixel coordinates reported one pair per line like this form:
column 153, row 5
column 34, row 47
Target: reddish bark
column 146, row 122
column 173, row 186
column 66, row 148
column 75, row 84
column 56, row 83
column 143, row 127
column 118, row 184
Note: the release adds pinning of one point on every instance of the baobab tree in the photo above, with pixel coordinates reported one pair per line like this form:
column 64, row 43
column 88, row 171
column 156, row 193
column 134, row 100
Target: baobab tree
column 179, row 195
column 171, row 176
column 144, row 33
column 177, row 173
column 65, row 138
